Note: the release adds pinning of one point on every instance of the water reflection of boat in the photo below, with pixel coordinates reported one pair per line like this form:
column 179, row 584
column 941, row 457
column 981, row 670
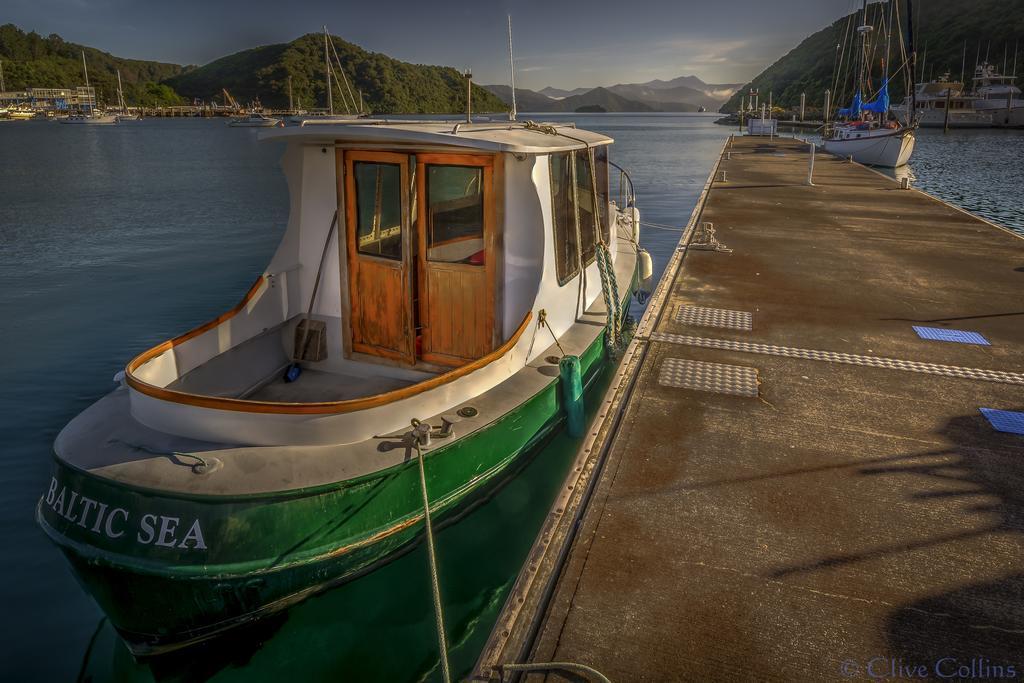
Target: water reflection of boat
column 458, row 269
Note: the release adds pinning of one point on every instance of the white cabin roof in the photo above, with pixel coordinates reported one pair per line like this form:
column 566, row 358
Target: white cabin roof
column 503, row 136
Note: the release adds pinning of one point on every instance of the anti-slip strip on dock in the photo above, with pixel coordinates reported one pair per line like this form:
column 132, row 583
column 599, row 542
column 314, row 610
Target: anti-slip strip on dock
column 845, row 358
column 718, row 378
column 1004, row 420
column 958, row 336
column 699, row 316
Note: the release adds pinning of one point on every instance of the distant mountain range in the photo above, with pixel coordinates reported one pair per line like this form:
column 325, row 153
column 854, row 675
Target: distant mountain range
column 686, row 93
column 942, row 28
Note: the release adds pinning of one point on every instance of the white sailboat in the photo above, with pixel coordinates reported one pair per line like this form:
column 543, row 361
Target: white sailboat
column 328, row 116
column 867, row 134
column 88, row 115
column 124, row 114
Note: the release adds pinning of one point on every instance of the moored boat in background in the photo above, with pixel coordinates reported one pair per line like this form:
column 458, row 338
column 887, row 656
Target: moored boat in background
column 941, row 104
column 254, row 120
column 866, row 132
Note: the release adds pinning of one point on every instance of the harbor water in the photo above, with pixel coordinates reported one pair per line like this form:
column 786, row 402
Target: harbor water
column 116, row 238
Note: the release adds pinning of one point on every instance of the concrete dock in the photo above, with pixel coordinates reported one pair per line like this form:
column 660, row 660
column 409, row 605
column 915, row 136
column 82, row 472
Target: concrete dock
column 787, row 482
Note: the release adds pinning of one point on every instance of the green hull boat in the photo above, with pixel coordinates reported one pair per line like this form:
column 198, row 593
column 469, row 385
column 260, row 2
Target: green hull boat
column 272, row 453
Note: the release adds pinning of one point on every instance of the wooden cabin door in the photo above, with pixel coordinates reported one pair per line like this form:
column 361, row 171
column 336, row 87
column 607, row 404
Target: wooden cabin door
column 455, row 226
column 380, row 252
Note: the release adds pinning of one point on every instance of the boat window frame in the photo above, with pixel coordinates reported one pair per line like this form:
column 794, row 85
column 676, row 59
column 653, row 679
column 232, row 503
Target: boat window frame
column 600, row 201
column 575, row 269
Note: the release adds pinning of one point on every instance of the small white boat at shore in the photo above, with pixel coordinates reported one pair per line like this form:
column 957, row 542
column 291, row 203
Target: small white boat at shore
column 254, row 120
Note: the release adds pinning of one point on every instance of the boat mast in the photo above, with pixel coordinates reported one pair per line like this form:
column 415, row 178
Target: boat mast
column 327, row 74
column 3, row 88
column 120, row 94
column 912, row 66
column 85, row 69
column 512, row 71
column 863, row 30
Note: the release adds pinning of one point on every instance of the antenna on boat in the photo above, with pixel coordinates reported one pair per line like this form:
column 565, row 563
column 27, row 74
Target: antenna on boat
column 512, row 71
column 469, row 95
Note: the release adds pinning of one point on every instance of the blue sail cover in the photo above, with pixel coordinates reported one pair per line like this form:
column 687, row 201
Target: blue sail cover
column 881, row 103
column 854, row 109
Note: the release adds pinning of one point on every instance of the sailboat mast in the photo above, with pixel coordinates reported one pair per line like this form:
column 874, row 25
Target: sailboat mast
column 512, row 71
column 85, row 70
column 120, row 94
column 863, row 30
column 3, row 88
column 912, row 66
column 327, row 74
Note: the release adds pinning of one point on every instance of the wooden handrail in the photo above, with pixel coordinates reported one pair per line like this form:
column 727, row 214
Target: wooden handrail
column 320, row 407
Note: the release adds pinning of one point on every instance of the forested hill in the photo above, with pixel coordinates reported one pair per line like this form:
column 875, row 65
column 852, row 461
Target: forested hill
column 388, row 85
column 30, row 60
column 941, row 27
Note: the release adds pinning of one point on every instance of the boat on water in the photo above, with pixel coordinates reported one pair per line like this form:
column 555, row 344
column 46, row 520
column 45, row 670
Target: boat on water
column 997, row 95
column 21, row 113
column 88, row 115
column 254, row 120
column 332, row 69
column 866, row 131
column 441, row 289
column 91, row 118
column 942, row 103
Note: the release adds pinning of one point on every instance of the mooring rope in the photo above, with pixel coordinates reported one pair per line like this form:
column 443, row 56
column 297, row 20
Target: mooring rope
column 571, row 667
column 435, row 581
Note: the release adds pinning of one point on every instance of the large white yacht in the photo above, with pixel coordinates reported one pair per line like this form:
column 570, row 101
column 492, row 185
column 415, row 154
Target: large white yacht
column 942, row 103
column 998, row 96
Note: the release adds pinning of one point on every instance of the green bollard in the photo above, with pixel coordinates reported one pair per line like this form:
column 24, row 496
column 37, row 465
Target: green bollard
column 571, row 373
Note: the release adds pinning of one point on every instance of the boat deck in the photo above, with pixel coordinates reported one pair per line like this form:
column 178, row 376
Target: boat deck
column 315, row 385
column 816, row 497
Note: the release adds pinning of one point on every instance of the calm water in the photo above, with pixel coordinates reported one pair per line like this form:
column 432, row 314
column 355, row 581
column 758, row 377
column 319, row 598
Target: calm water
column 116, row 238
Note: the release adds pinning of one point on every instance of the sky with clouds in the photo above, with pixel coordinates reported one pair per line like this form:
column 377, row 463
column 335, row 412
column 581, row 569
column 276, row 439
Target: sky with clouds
column 564, row 43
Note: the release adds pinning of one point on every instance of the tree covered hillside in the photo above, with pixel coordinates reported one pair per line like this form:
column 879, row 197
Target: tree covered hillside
column 941, row 27
column 388, row 85
column 30, row 60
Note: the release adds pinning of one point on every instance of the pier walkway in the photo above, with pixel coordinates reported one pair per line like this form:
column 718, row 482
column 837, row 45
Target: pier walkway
column 798, row 486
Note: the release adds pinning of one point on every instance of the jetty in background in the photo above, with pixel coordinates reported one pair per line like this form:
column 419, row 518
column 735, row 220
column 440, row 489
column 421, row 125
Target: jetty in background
column 796, row 472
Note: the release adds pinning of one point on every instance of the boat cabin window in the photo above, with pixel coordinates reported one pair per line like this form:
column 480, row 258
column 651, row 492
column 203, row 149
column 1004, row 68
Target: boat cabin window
column 572, row 197
column 455, row 214
column 379, row 209
column 585, row 202
column 563, row 216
